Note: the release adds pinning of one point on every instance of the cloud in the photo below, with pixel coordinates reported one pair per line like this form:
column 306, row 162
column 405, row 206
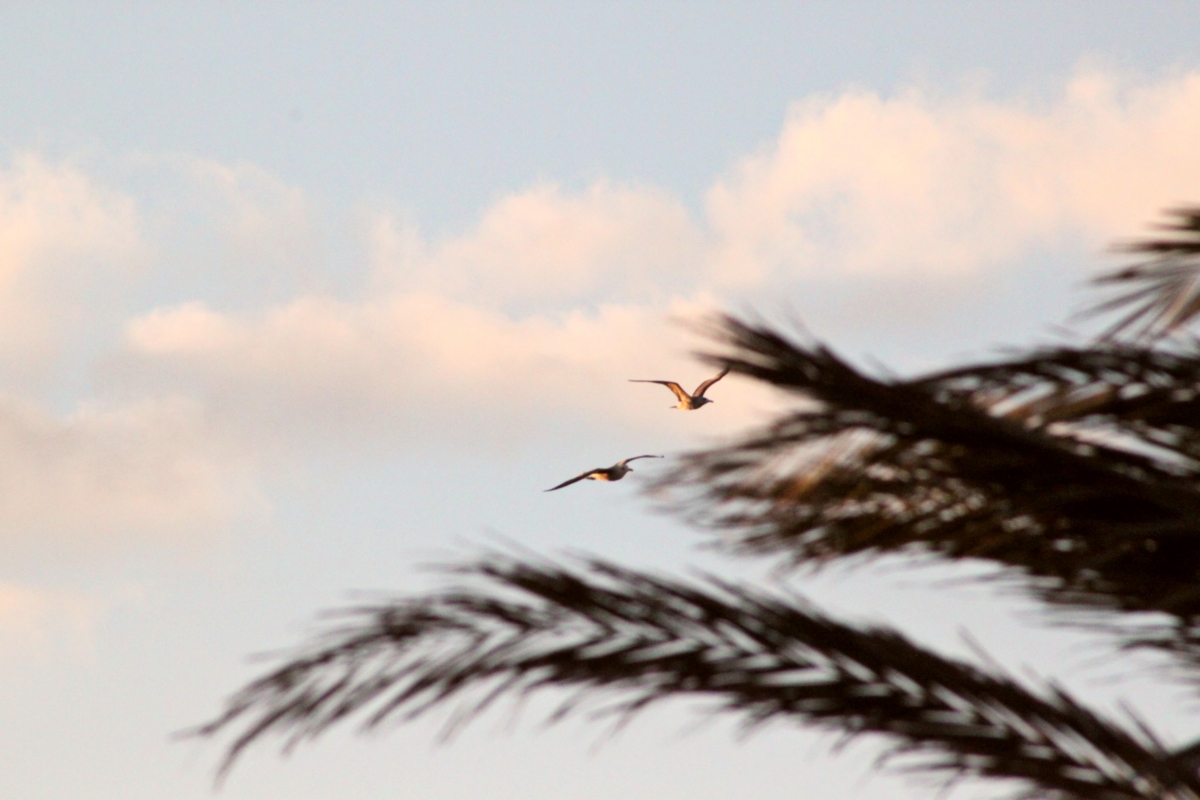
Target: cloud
column 151, row 470
column 554, row 298
column 27, row 612
column 525, row 317
column 546, row 245
column 863, row 184
column 531, row 321
column 266, row 226
column 71, row 250
column 61, row 236
column 416, row 365
column 35, row 621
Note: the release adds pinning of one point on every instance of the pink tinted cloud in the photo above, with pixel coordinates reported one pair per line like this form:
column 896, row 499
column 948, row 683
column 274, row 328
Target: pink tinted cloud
column 61, row 234
column 100, row 477
column 556, row 298
column 864, row 184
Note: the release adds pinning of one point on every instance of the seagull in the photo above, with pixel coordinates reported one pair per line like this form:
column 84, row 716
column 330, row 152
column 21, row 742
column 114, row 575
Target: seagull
column 613, row 473
column 689, row 402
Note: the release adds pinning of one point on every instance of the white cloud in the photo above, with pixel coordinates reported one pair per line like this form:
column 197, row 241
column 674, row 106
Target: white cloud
column 555, row 298
column 266, row 225
column 863, row 184
column 530, row 314
column 541, row 312
column 28, row 614
column 544, row 244
column 70, row 250
column 153, row 470
column 397, row 364
column 60, row 234
column 35, row 621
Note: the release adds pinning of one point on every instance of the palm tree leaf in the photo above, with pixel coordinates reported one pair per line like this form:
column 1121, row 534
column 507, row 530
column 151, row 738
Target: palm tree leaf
column 1011, row 463
column 603, row 630
column 1147, row 395
column 1162, row 293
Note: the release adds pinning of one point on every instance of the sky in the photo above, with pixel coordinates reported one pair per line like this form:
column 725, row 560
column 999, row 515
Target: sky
column 297, row 298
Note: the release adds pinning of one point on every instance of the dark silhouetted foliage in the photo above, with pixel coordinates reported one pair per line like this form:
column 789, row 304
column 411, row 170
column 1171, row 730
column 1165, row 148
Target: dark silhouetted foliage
column 1074, row 471
column 1161, row 293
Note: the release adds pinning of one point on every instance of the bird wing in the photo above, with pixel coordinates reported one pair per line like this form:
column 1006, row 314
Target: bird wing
column 635, row 458
column 577, row 478
column 702, row 388
column 672, row 385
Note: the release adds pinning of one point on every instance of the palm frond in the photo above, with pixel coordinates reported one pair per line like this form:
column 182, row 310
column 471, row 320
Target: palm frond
column 1011, row 463
column 1161, row 293
column 1146, row 397
column 602, row 630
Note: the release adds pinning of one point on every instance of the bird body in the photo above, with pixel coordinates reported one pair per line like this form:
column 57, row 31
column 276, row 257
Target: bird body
column 689, row 402
column 613, row 473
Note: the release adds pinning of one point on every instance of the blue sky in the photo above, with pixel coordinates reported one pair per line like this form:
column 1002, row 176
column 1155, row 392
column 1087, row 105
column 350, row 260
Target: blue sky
column 295, row 299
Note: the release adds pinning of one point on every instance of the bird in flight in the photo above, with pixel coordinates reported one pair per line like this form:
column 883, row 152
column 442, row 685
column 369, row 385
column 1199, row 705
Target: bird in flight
column 689, row 402
column 613, row 473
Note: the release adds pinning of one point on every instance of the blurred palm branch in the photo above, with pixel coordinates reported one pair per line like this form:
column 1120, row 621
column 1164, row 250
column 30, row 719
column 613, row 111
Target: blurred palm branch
column 1161, row 293
column 1073, row 471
